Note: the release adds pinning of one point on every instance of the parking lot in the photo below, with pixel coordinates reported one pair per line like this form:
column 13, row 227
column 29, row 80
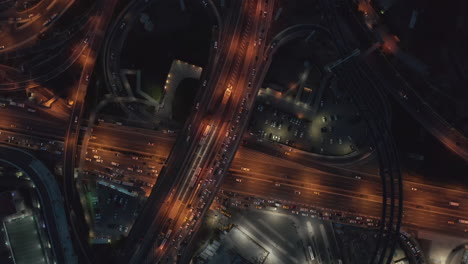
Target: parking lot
column 271, row 237
column 114, row 211
column 336, row 130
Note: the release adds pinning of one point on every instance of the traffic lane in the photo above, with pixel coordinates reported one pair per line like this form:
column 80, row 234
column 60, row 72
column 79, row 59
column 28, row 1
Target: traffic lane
column 222, row 106
column 31, row 112
column 282, row 172
column 334, row 201
column 126, row 165
column 35, row 9
column 435, row 198
column 320, row 198
column 31, row 125
column 439, row 197
column 152, row 135
column 24, row 162
column 113, row 141
column 422, row 112
column 352, row 188
column 100, row 20
column 13, row 38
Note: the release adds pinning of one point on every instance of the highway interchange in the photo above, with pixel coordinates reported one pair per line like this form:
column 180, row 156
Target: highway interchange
column 425, row 205
column 197, row 158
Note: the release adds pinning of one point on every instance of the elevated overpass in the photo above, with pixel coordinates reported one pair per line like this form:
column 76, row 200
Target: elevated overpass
column 51, row 200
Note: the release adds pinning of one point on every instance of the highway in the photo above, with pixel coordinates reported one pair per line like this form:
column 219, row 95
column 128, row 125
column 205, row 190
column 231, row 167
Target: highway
column 51, row 200
column 72, row 202
column 368, row 100
column 199, row 157
column 23, row 27
column 426, row 206
column 43, row 58
column 210, row 128
column 395, row 84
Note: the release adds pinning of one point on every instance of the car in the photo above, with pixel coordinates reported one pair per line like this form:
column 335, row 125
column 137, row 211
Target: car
column 357, row 177
column 414, row 188
column 150, row 143
column 46, row 23
column 238, row 180
column 403, row 95
column 134, row 158
column 123, row 25
column 2, row 47
column 297, row 192
column 87, row 78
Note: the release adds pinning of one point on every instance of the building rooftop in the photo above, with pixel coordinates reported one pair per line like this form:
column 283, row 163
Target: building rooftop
column 24, row 240
column 7, row 206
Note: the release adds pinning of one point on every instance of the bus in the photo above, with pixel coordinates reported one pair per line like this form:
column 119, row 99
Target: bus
column 195, row 177
column 163, row 243
column 207, row 129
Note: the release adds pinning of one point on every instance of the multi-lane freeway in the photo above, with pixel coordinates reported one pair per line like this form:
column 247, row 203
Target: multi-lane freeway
column 23, row 27
column 208, row 145
column 200, row 144
column 271, row 177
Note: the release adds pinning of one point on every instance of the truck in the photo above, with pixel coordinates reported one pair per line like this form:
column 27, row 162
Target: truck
column 163, row 243
column 227, row 94
column 128, row 183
